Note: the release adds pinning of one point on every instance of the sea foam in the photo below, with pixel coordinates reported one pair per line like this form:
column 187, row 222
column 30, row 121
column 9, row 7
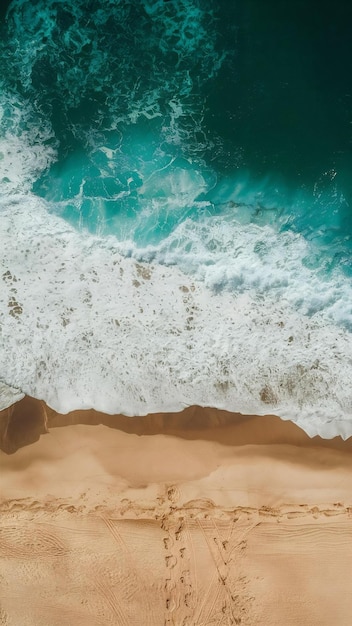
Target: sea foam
column 83, row 326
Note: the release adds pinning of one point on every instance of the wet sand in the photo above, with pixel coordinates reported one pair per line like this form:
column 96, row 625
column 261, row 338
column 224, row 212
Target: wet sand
column 196, row 518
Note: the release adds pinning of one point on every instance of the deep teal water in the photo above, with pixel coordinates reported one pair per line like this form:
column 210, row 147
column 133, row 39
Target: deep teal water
column 161, row 111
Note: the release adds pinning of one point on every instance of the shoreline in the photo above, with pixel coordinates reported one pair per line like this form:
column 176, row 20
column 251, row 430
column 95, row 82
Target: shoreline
column 198, row 518
column 24, row 422
column 135, row 348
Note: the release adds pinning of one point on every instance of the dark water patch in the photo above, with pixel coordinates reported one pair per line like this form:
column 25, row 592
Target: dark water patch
column 284, row 97
column 4, row 8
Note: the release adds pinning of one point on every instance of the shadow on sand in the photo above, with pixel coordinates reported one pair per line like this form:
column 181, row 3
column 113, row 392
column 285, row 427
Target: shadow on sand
column 23, row 423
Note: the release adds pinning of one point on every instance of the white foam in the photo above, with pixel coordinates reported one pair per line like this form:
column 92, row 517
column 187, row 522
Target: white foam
column 83, row 327
column 240, row 256
column 8, row 396
column 24, row 149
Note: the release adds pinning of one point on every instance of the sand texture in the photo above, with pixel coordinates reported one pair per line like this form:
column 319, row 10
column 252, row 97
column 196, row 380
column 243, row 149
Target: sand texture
column 192, row 519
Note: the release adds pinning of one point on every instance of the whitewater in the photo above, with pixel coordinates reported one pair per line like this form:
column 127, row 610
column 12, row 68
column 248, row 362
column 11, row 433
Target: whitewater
column 144, row 265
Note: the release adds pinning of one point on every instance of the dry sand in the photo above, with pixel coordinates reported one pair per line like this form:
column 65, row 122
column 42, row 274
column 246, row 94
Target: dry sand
column 197, row 518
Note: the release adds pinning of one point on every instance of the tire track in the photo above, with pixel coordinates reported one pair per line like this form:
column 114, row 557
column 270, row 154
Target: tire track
column 113, row 603
column 138, row 585
column 32, row 542
column 230, row 601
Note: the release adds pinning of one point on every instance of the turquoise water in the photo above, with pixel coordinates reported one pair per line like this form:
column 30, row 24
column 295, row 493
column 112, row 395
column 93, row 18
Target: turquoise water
column 210, row 140
column 164, row 110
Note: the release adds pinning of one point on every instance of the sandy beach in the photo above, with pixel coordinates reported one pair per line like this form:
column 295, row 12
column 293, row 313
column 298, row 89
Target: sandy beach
column 196, row 518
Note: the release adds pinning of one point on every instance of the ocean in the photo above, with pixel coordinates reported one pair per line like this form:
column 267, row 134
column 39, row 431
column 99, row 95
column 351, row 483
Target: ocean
column 175, row 208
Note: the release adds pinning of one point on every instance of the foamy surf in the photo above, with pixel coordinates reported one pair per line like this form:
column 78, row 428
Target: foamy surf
column 84, row 327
